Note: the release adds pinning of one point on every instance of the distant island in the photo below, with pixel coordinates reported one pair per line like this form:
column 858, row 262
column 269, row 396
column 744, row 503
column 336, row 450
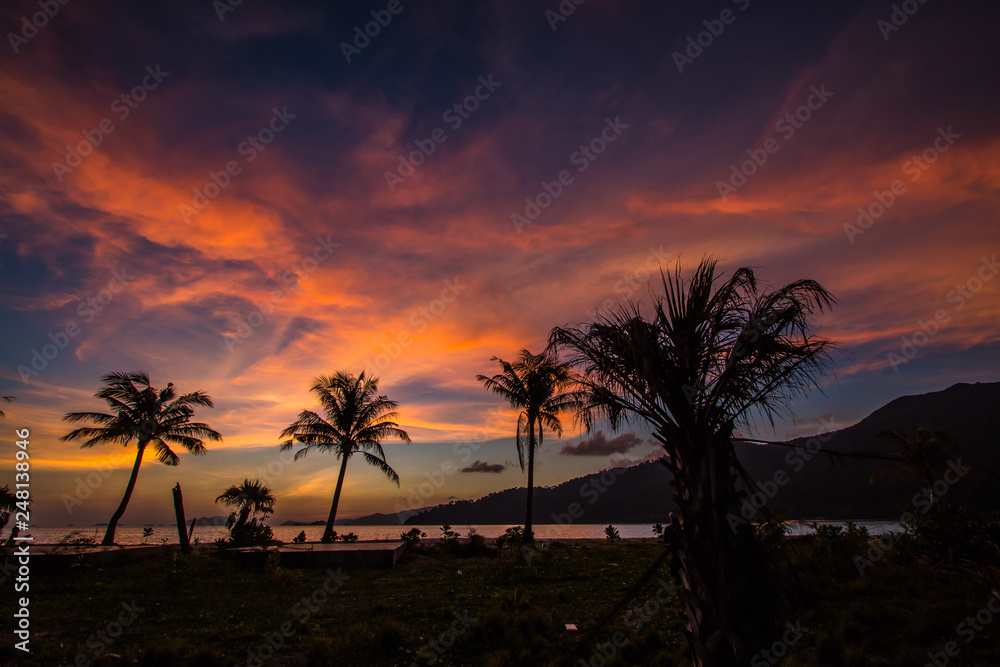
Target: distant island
column 817, row 488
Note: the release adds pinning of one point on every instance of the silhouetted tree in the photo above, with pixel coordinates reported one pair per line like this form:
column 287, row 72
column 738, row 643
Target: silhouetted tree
column 249, row 498
column 533, row 383
column 927, row 456
column 356, row 421
column 706, row 355
column 147, row 416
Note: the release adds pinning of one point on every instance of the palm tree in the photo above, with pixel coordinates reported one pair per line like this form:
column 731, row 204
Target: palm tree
column 147, row 416
column 710, row 355
column 249, row 497
column 356, row 421
column 927, row 456
column 533, row 383
column 6, row 399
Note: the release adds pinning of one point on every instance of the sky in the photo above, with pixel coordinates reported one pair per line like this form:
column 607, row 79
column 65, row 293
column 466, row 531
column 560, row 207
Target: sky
column 238, row 197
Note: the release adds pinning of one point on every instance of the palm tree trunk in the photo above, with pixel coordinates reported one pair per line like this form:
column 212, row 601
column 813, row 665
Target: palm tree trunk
column 328, row 532
column 109, row 536
column 528, row 535
column 733, row 602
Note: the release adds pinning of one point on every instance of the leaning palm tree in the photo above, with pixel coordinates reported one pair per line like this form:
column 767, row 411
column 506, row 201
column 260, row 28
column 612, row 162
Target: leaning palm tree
column 146, row 416
column 356, row 421
column 249, row 497
column 704, row 357
column 533, row 383
column 926, row 456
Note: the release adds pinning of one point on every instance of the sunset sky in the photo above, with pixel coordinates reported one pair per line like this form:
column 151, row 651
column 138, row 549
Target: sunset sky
column 239, row 198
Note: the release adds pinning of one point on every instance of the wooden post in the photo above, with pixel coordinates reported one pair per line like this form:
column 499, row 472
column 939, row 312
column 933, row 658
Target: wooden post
column 181, row 524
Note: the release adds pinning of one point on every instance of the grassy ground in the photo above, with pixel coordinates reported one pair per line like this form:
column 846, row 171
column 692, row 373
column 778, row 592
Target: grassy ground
column 446, row 609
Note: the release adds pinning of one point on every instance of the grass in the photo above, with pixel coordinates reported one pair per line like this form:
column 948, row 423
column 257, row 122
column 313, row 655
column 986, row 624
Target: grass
column 205, row 609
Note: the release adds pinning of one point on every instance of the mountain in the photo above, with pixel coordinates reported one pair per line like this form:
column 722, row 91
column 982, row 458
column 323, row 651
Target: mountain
column 800, row 488
column 303, row 523
column 379, row 519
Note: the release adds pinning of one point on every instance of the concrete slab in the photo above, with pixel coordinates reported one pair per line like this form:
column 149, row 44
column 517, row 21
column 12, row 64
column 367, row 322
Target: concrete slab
column 377, row 554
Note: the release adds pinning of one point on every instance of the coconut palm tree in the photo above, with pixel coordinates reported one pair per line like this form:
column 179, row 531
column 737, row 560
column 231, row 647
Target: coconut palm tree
column 6, row 399
column 533, row 383
column 248, row 497
column 356, row 421
column 251, row 497
column 705, row 356
column 927, row 456
column 144, row 415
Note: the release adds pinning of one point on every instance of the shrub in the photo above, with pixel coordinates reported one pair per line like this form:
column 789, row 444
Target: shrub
column 349, row 537
column 300, row 538
column 952, row 532
column 449, row 538
column 511, row 537
column 412, row 536
column 611, row 534
column 477, row 543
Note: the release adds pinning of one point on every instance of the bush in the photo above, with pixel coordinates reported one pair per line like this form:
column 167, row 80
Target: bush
column 477, row 543
column 300, row 538
column 412, row 536
column 950, row 532
column 511, row 537
column 840, row 541
column 349, row 537
column 252, row 533
column 611, row 534
column 449, row 538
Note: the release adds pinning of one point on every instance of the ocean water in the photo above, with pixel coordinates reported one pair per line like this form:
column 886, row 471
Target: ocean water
column 208, row 534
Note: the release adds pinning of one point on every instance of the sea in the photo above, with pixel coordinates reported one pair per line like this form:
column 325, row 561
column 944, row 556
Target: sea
column 582, row 531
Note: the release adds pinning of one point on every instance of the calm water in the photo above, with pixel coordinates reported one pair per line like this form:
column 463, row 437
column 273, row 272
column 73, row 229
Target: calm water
column 207, row 534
